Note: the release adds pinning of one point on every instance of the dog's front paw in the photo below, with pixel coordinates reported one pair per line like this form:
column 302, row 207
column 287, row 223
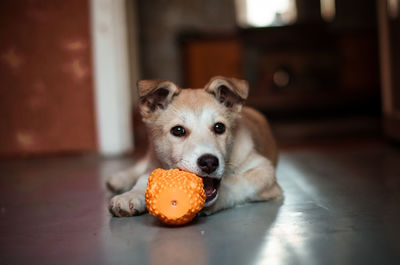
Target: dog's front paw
column 119, row 182
column 128, row 204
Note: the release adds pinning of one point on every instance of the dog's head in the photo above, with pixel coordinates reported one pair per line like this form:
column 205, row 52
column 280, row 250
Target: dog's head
column 192, row 129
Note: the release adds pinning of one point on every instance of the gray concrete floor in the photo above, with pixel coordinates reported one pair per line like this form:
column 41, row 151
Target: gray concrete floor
column 341, row 206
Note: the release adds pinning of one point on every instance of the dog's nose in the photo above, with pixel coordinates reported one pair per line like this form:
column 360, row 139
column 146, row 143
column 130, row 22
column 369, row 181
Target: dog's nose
column 208, row 163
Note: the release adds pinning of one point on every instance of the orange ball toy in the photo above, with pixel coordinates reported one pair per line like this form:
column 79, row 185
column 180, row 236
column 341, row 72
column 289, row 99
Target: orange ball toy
column 174, row 196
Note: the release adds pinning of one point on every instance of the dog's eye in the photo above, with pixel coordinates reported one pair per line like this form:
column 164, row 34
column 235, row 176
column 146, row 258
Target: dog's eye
column 219, row 128
column 178, row 131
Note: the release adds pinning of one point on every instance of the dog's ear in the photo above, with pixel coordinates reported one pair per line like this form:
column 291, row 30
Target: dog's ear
column 231, row 92
column 155, row 95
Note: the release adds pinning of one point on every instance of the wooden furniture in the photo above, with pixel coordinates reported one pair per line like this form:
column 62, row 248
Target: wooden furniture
column 389, row 39
column 207, row 56
column 46, row 91
column 292, row 68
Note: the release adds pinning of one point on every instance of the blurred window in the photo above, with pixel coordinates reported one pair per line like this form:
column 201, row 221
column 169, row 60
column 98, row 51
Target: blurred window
column 265, row 13
column 393, row 7
column 328, row 10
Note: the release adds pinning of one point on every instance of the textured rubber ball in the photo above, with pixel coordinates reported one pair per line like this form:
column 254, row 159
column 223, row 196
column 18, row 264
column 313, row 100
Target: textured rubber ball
column 174, row 196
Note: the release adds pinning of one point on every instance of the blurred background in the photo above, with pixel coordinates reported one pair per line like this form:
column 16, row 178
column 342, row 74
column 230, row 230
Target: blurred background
column 321, row 70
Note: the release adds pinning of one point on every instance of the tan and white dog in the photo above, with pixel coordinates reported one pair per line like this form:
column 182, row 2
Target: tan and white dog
column 207, row 132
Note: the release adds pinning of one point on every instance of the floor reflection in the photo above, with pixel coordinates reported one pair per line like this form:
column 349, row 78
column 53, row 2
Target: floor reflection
column 223, row 236
column 178, row 246
column 285, row 238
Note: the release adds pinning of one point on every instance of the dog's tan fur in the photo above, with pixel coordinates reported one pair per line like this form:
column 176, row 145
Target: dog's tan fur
column 247, row 151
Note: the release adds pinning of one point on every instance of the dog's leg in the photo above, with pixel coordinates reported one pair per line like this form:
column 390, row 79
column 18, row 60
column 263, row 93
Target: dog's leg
column 131, row 202
column 124, row 180
column 257, row 183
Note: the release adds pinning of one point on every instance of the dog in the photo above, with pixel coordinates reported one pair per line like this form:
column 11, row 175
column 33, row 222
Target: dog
column 207, row 132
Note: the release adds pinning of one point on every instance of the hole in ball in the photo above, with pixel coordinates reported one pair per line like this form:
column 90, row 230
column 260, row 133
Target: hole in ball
column 174, row 203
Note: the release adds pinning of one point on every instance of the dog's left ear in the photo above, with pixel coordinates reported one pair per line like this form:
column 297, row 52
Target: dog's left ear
column 155, row 95
column 231, row 92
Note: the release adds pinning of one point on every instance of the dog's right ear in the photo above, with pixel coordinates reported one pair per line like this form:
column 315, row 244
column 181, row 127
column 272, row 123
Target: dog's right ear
column 155, row 95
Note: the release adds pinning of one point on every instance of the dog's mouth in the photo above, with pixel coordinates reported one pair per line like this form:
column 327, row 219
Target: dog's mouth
column 211, row 186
